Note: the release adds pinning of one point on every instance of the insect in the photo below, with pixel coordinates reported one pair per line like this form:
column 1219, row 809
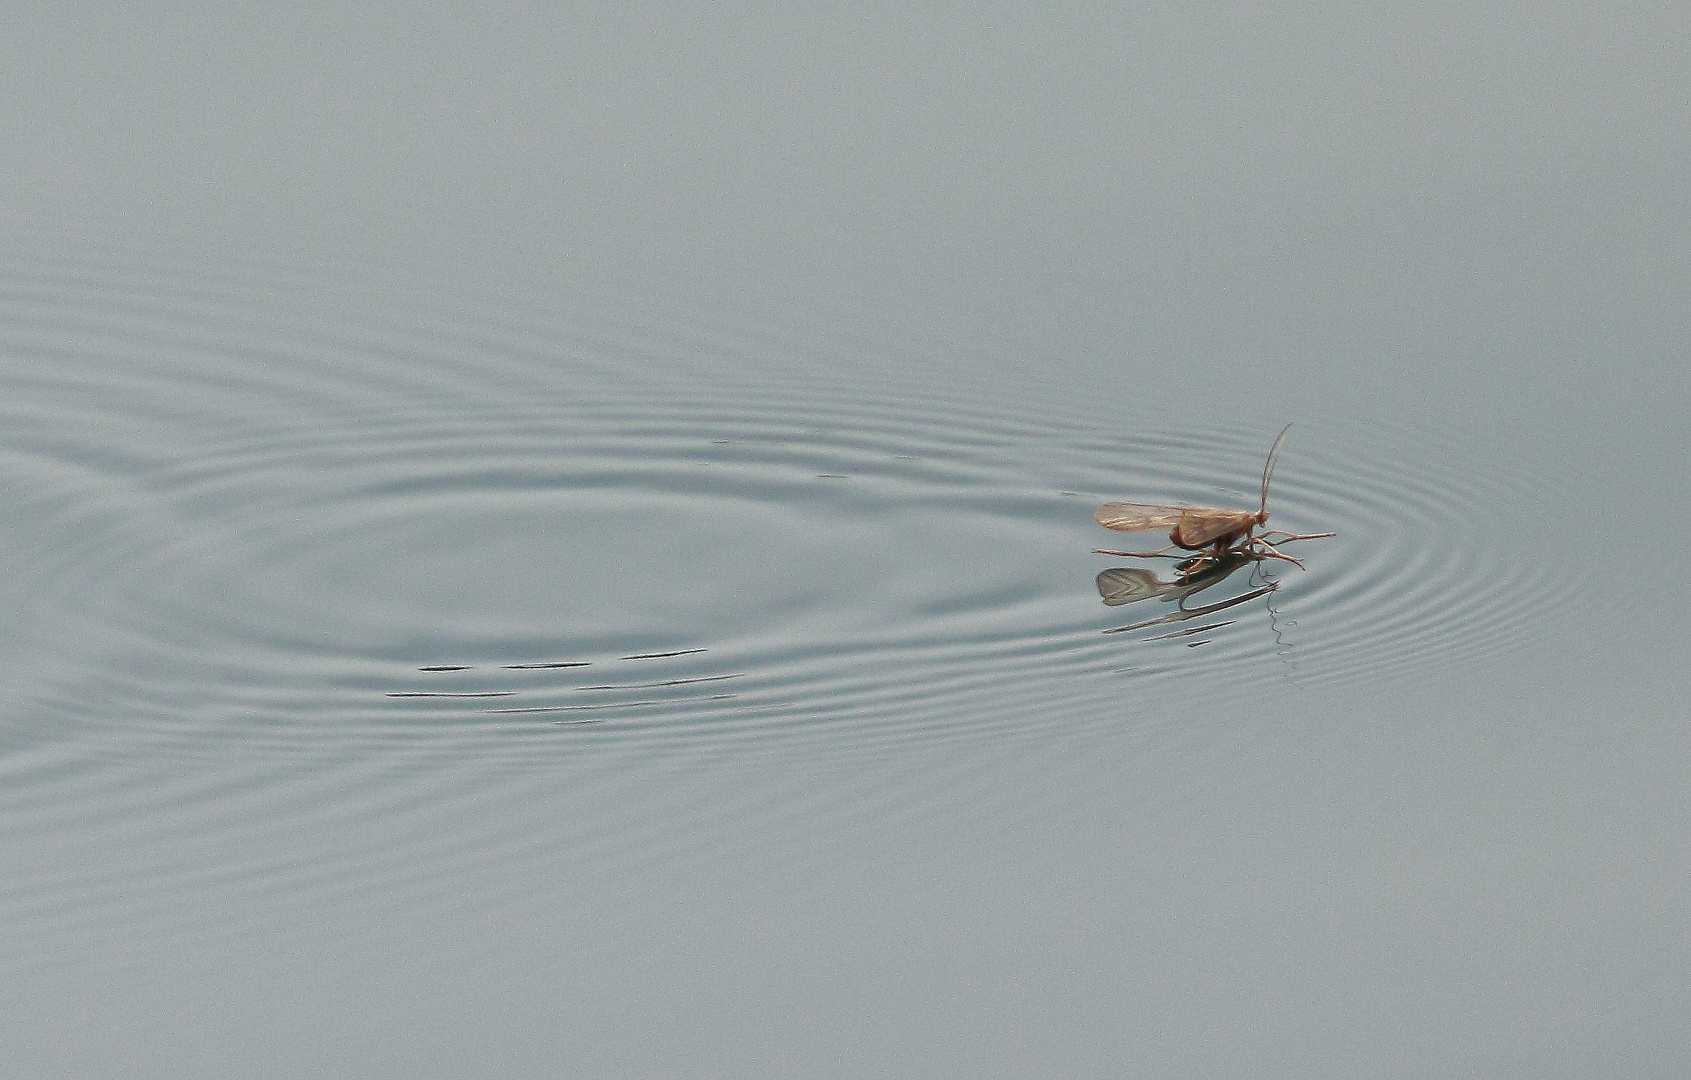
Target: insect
column 1214, row 532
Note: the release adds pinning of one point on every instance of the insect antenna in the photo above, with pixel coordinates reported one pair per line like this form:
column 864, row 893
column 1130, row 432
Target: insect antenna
column 1268, row 468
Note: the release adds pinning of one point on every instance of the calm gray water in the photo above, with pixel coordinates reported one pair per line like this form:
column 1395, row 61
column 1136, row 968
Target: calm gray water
column 562, row 545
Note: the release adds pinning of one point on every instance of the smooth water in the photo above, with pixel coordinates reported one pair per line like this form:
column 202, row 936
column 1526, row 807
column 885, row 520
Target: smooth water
column 429, row 653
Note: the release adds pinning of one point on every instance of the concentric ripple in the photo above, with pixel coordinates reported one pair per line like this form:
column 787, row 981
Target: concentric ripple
column 1432, row 564
column 267, row 504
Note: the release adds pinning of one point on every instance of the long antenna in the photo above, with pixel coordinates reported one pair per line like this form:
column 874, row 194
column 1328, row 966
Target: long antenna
column 1268, row 468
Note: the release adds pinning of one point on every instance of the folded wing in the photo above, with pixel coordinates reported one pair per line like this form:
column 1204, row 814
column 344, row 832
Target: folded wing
column 1200, row 526
column 1138, row 517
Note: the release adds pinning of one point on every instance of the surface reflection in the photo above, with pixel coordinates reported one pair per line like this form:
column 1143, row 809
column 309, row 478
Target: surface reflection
column 1121, row 585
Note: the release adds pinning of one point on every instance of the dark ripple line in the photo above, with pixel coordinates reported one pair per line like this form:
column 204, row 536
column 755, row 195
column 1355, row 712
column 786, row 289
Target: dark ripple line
column 548, row 666
column 667, row 682
column 444, row 694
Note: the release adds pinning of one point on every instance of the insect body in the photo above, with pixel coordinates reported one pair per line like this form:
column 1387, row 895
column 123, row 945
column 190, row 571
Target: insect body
column 1211, row 530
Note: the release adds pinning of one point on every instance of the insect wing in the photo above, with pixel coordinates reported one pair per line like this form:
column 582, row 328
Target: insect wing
column 1138, row 517
column 1199, row 526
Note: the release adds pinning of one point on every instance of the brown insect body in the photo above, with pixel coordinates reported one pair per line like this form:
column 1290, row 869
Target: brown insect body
column 1201, row 528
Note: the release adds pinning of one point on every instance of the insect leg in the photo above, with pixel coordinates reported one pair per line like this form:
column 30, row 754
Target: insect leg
column 1269, row 551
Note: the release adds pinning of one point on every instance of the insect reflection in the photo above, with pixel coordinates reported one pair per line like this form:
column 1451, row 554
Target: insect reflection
column 1129, row 584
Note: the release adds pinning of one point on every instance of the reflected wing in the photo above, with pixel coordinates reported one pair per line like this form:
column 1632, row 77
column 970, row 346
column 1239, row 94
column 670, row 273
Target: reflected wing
column 1123, row 585
column 1138, row 517
column 1201, row 525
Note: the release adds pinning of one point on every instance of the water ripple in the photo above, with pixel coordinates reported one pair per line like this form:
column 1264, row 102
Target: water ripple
column 259, row 504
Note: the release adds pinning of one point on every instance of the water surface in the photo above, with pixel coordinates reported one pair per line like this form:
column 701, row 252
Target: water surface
column 540, row 546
